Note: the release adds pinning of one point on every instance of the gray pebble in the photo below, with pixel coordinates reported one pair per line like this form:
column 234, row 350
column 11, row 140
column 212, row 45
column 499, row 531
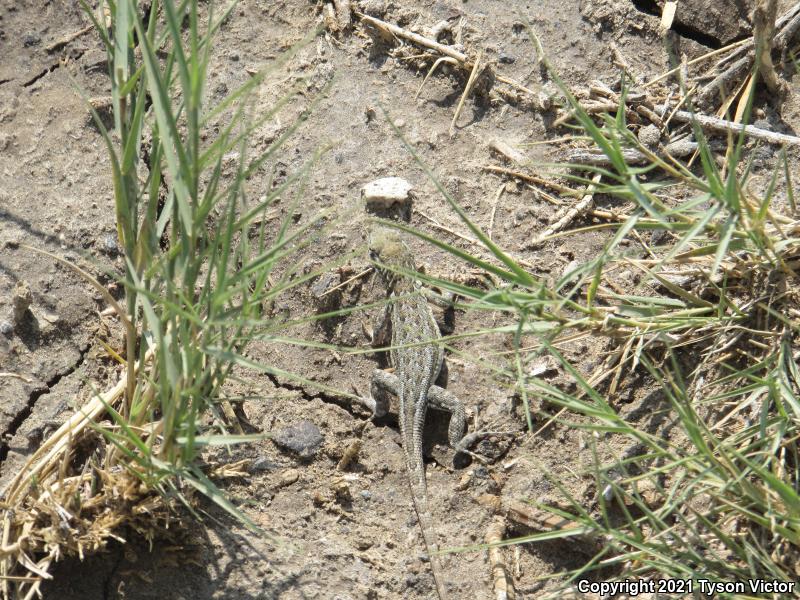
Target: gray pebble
column 263, row 464
column 110, row 244
column 21, row 300
column 763, row 124
column 649, row 136
column 506, row 59
column 374, row 8
column 366, row 495
column 6, row 328
column 325, row 282
column 303, row 438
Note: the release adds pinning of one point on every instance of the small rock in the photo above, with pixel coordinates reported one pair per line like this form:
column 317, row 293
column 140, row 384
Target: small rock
column 341, row 491
column 30, row 39
column 303, row 438
column 506, row 59
column 21, row 300
column 263, row 464
column 374, row 8
column 321, row 289
column 288, row 477
column 6, row 328
column 570, row 269
column 50, row 317
column 103, row 105
column 649, row 136
column 366, row 495
column 110, row 244
column 763, row 124
column 387, row 191
column 762, row 156
column 521, row 214
column 364, row 544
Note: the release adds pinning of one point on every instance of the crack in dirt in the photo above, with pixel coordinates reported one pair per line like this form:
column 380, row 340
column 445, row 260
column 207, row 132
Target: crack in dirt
column 41, row 74
column 26, row 412
column 49, row 69
column 325, row 397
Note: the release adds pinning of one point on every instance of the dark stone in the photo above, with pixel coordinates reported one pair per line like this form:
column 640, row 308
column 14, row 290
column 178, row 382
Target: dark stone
column 30, row 39
column 263, row 464
column 506, row 59
column 303, row 438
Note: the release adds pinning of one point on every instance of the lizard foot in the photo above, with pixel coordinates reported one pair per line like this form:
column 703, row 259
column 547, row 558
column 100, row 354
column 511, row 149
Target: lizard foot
column 462, row 447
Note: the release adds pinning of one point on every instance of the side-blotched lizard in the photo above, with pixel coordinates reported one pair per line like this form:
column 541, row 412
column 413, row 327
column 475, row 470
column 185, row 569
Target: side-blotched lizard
column 417, row 359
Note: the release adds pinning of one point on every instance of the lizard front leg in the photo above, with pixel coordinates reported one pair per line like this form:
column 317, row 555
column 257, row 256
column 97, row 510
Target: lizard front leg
column 381, row 383
column 378, row 400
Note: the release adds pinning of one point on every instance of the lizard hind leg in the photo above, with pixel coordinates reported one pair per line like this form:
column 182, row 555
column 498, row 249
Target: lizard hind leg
column 442, row 399
column 457, row 431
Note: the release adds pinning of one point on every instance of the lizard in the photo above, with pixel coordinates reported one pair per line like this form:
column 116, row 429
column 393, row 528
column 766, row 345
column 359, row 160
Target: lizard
column 417, row 359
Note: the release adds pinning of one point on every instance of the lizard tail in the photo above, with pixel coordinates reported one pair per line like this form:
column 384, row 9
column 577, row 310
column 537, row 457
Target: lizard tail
column 419, row 493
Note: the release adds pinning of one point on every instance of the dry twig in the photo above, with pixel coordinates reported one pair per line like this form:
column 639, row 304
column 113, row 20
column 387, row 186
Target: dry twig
column 443, row 49
column 503, row 583
column 763, row 38
column 561, row 189
column 525, row 515
column 721, row 125
column 497, row 195
column 580, row 208
column 63, row 41
column 473, row 76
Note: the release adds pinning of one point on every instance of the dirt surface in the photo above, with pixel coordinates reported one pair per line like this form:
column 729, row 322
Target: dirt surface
column 343, row 533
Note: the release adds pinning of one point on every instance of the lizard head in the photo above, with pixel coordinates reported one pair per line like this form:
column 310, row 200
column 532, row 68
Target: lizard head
column 386, row 247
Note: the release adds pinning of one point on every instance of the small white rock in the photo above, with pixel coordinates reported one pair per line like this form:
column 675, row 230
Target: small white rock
column 386, row 191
